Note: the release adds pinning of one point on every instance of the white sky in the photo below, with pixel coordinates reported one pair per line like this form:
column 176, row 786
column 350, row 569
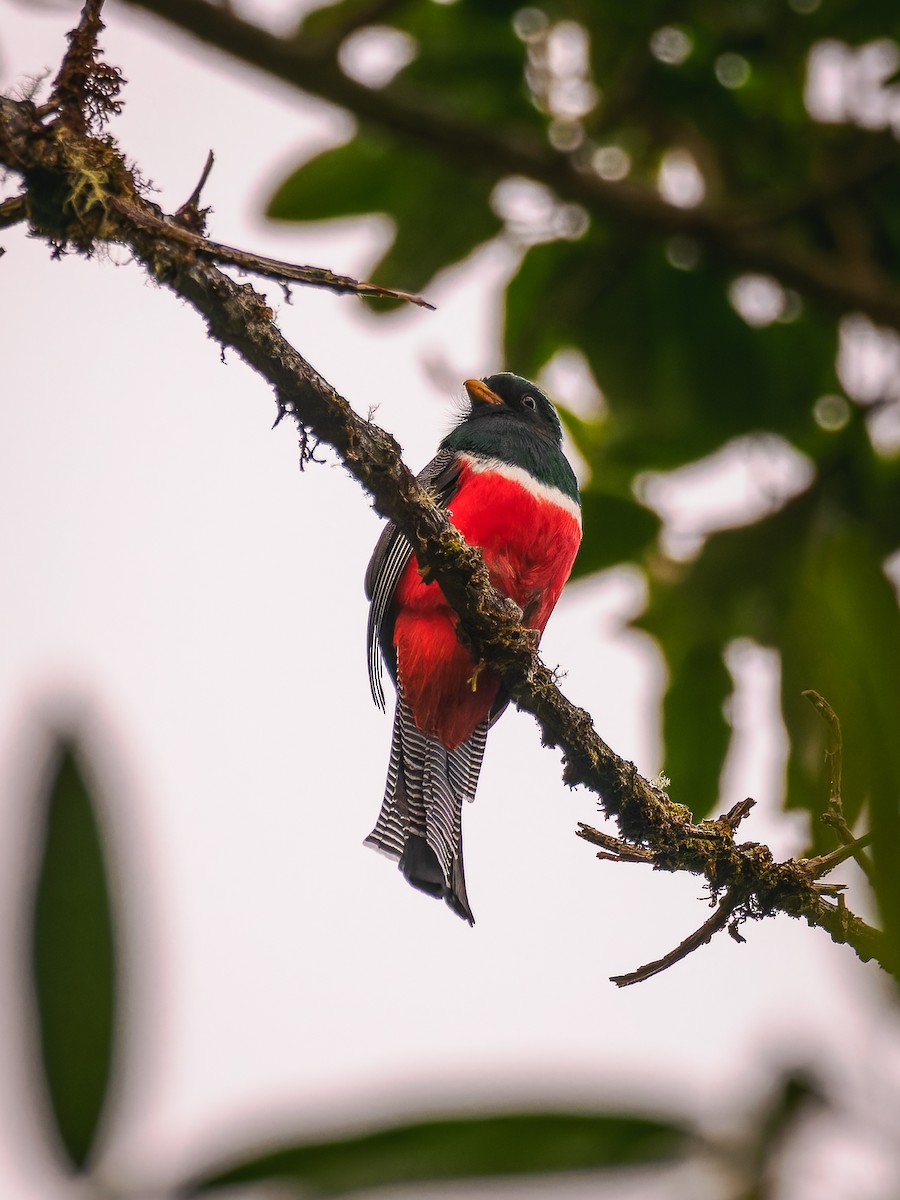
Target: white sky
column 173, row 583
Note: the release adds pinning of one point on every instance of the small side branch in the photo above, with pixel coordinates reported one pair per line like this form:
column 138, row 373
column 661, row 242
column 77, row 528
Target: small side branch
column 737, row 813
column 271, row 268
column 190, row 215
column 823, row 863
column 615, row 849
column 13, row 211
column 704, row 934
column 834, row 812
column 834, row 750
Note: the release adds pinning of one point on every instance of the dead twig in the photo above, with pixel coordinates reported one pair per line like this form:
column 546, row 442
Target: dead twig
column 700, row 937
column 190, row 215
column 737, row 813
column 823, row 863
column 834, row 812
column 13, row 211
column 271, row 268
column 615, row 849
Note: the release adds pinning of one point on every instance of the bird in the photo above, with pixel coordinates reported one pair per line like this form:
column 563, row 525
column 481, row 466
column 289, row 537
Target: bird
column 507, row 486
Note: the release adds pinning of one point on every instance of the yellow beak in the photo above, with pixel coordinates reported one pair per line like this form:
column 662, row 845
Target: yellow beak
column 480, row 393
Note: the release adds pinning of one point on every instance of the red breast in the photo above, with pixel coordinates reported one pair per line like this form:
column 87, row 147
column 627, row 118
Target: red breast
column 529, row 540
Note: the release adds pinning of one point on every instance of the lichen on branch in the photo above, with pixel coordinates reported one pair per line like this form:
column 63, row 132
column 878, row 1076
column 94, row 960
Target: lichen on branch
column 86, row 89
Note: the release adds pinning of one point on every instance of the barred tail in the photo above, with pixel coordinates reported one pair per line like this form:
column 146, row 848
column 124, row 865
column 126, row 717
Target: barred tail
column 420, row 823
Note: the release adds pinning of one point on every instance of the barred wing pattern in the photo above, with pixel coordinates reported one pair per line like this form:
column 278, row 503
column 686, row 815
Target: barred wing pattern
column 391, row 554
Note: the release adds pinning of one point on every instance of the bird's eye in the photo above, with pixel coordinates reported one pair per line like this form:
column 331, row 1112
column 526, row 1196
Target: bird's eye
column 529, row 402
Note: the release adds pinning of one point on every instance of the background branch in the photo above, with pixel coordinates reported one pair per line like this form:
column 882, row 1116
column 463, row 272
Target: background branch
column 733, row 237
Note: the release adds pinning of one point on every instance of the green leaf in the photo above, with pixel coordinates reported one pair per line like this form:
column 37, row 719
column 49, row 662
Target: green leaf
column 680, row 370
column 462, row 1148
column 685, row 373
column 616, row 529
column 441, row 214
column 840, row 598
column 697, row 733
column 548, row 298
column 73, row 959
column 739, row 586
column 361, row 176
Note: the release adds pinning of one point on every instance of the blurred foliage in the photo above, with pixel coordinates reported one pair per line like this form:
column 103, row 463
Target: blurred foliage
column 73, row 958
column 478, row 1147
column 713, row 98
column 71, row 917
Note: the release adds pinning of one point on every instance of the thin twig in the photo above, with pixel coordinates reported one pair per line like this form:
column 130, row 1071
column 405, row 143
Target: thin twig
column 823, row 863
column 616, row 849
column 272, row 268
column 13, row 211
column 834, row 812
column 737, row 813
column 711, row 830
column 189, row 215
column 834, row 749
column 700, row 937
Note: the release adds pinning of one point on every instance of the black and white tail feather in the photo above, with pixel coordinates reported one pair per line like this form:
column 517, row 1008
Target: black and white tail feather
column 420, row 823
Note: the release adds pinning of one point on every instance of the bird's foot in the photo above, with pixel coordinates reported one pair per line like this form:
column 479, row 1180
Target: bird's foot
column 473, row 678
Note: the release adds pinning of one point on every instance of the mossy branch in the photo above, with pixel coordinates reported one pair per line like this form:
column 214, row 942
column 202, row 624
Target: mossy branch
column 79, row 191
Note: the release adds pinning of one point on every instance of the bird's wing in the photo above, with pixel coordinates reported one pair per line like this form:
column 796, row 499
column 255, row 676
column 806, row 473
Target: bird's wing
column 391, row 554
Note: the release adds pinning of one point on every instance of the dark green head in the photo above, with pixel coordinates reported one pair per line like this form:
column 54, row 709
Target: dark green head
column 513, row 420
column 498, row 397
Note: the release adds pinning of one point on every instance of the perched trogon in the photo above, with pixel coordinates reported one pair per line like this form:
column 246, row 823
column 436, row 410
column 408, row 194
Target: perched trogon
column 509, row 489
